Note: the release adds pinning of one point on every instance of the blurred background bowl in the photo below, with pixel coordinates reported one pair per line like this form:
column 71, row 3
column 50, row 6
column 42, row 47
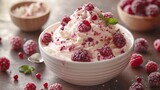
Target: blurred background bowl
column 29, row 24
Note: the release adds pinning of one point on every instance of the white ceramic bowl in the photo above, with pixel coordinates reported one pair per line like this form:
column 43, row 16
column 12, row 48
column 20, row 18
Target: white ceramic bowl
column 87, row 73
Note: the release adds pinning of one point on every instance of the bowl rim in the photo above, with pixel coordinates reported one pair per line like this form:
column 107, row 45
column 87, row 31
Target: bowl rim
column 136, row 16
column 30, row 1
column 102, row 61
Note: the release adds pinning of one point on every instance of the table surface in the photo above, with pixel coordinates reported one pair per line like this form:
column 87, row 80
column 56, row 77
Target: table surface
column 58, row 10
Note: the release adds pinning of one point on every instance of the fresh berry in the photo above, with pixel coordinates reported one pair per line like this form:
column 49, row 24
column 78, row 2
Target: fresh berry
column 94, row 17
column 124, row 3
column 151, row 66
column 45, row 85
column 152, row 10
column 30, row 86
column 154, row 79
column 151, row 1
column 119, row 40
column 84, row 26
column 15, row 77
column 16, row 42
column 106, row 51
column 20, row 54
column 46, row 38
column 65, row 20
column 81, row 56
column 136, row 86
column 138, row 7
column 4, row 64
column 108, row 15
column 0, row 40
column 128, row 9
column 136, row 60
column 140, row 45
column 55, row 86
column 30, row 47
column 89, row 7
column 139, row 79
column 157, row 44
column 38, row 76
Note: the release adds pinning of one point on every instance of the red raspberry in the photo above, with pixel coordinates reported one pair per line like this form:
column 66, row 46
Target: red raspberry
column 138, row 7
column 80, row 56
column 152, row 10
column 136, row 86
column 30, row 47
column 84, row 26
column 157, row 44
column 151, row 1
column 139, row 79
column 140, row 45
column 94, row 17
column 38, row 76
column 4, row 64
column 46, row 38
column 55, row 86
column 16, row 42
column 108, row 15
column 154, row 79
column 119, row 40
column 124, row 3
column 136, row 60
column 15, row 77
column 128, row 9
column 20, row 54
column 45, row 85
column 106, row 51
column 89, row 7
column 65, row 20
column 151, row 66
column 30, row 86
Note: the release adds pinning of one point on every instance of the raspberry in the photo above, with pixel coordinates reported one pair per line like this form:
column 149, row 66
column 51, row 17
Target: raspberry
column 38, row 76
column 138, row 7
column 89, row 7
column 151, row 66
column 152, row 10
column 20, row 54
column 65, row 20
column 15, row 77
column 94, row 17
column 136, row 86
column 124, row 3
column 46, row 38
column 136, row 60
column 16, row 42
column 4, row 64
column 45, row 85
column 140, row 45
column 30, row 86
column 84, row 26
column 128, row 9
column 81, row 56
column 108, row 15
column 55, row 86
column 154, row 79
column 118, row 39
column 157, row 44
column 139, row 79
column 106, row 51
column 30, row 47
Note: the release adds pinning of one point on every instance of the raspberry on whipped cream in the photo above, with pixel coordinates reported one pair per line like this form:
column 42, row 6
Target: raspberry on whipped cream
column 86, row 29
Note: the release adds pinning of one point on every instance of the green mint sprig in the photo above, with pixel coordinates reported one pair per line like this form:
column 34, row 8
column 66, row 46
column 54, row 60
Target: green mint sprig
column 109, row 21
column 26, row 69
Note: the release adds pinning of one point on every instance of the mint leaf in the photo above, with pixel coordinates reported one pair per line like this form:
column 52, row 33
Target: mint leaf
column 32, row 68
column 23, row 68
column 28, row 71
column 109, row 21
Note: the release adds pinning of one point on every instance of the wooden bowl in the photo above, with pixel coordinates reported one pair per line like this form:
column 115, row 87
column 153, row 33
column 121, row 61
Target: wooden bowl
column 138, row 23
column 29, row 24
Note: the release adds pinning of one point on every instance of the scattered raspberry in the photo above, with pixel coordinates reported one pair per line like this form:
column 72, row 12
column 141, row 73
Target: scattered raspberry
column 136, row 60
column 65, row 20
column 89, row 7
column 124, row 3
column 15, row 77
column 139, row 79
column 38, row 76
column 84, row 26
column 108, row 15
column 118, row 39
column 136, row 86
column 46, row 38
column 30, row 86
column 154, row 79
column 140, row 45
column 30, row 47
column 20, row 54
column 151, row 66
column 157, row 44
column 152, row 10
column 128, row 9
column 106, row 51
column 81, row 56
column 45, row 85
column 16, row 42
column 94, row 17
column 55, row 86
column 4, row 64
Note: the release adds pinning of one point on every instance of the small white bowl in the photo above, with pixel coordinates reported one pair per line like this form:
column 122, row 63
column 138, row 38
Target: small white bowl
column 87, row 73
